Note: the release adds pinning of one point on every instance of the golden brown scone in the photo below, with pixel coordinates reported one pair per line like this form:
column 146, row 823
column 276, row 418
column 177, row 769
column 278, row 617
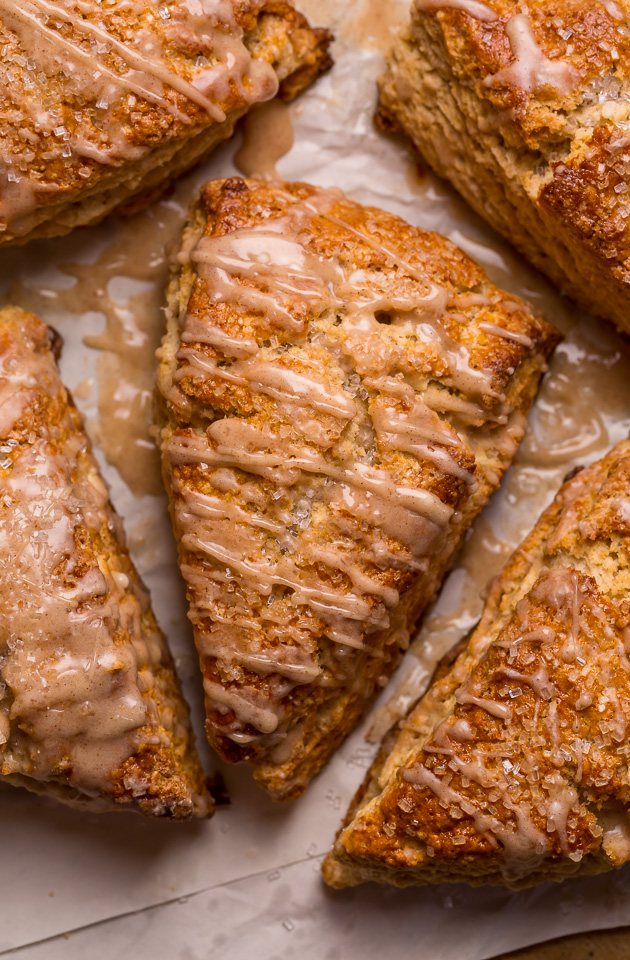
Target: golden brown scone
column 523, row 108
column 513, row 768
column 102, row 104
column 342, row 393
column 90, row 708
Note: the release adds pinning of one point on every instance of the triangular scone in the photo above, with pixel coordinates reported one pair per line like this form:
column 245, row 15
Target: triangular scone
column 343, row 392
column 104, row 103
column 513, row 768
column 90, row 708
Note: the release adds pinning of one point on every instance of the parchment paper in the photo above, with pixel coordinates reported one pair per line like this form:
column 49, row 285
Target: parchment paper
column 247, row 883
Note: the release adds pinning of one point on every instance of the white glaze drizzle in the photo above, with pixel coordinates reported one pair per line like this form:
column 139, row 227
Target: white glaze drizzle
column 524, row 845
column 573, row 646
column 418, row 431
column 156, row 68
column 474, row 8
column 497, row 331
column 614, row 9
column 531, row 69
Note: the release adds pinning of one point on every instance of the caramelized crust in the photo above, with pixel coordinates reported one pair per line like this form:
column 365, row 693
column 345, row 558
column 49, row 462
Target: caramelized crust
column 513, row 768
column 342, row 392
column 524, row 108
column 104, row 103
column 90, row 708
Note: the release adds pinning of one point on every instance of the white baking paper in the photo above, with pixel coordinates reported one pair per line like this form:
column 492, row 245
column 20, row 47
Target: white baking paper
column 285, row 915
column 247, row 882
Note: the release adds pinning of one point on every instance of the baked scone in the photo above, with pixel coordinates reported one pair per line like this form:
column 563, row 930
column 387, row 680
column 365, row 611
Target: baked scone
column 90, row 708
column 342, row 393
column 523, row 107
column 104, row 102
column 513, row 768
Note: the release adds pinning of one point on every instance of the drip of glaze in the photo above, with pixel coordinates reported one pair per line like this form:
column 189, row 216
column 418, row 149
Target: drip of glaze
column 496, row 331
column 500, row 710
column 267, row 137
column 530, row 69
column 474, row 8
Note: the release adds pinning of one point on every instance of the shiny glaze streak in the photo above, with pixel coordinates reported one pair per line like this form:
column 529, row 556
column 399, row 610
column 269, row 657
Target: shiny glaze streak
column 71, row 690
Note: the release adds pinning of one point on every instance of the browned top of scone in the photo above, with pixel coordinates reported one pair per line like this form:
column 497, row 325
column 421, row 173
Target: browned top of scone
column 336, row 382
column 514, row 765
column 90, row 704
column 88, row 89
column 351, row 234
column 551, row 78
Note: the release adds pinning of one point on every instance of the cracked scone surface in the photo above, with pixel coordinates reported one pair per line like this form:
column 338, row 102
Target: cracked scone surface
column 524, row 108
column 90, row 707
column 341, row 394
column 104, row 102
column 513, row 768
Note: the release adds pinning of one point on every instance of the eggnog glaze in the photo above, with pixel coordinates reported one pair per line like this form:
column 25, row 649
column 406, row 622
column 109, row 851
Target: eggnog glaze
column 474, row 8
column 335, row 478
column 530, row 69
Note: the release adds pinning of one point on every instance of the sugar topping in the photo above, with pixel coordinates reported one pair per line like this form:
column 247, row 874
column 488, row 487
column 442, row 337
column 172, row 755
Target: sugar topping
column 531, row 69
column 349, row 468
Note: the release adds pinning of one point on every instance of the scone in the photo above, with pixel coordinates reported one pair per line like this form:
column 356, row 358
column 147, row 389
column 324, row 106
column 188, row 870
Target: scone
column 90, row 708
column 513, row 768
column 102, row 104
column 523, row 108
column 342, row 392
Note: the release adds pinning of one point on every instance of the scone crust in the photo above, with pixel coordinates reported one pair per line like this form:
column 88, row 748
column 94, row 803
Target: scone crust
column 541, row 689
column 536, row 140
column 160, row 773
column 316, row 716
